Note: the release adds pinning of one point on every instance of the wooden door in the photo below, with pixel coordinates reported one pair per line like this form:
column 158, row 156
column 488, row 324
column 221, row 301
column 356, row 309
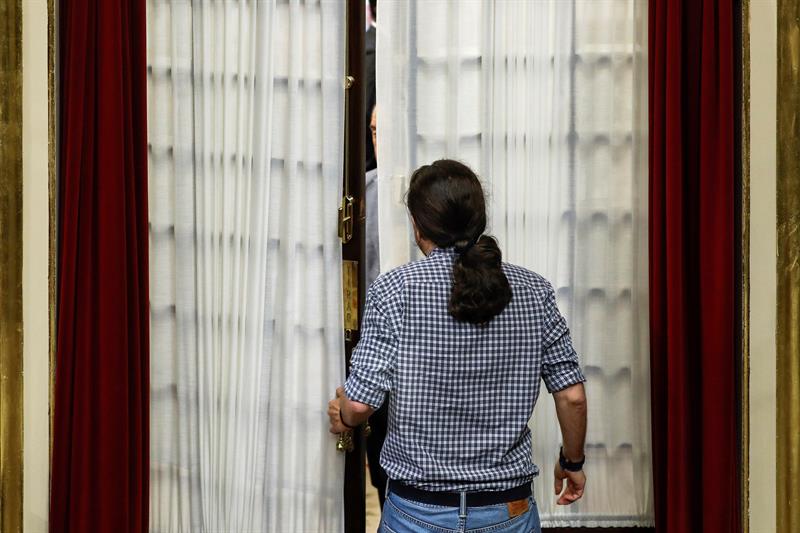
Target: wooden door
column 352, row 220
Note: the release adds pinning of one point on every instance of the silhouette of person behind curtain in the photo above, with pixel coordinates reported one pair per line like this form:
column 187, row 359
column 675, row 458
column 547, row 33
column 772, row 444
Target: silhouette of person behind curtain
column 378, row 420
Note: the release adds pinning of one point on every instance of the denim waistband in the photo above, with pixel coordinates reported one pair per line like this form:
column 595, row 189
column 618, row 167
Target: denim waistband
column 453, row 499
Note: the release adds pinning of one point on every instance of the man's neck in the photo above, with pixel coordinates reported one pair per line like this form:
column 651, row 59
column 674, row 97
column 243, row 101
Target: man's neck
column 426, row 246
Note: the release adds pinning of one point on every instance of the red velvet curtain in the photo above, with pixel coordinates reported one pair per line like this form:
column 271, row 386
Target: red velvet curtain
column 695, row 442
column 100, row 461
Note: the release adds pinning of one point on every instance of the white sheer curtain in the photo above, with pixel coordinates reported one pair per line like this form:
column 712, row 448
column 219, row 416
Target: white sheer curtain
column 546, row 100
column 245, row 129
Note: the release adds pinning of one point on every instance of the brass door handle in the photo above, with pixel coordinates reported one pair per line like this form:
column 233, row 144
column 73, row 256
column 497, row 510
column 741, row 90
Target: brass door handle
column 345, row 442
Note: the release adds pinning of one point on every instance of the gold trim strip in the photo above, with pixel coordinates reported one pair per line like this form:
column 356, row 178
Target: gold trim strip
column 11, row 407
column 745, row 213
column 788, row 268
column 52, row 171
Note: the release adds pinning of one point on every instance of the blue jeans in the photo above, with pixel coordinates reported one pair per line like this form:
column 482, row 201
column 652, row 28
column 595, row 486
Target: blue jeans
column 405, row 516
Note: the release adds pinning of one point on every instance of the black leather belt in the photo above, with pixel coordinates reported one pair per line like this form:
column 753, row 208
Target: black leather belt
column 453, row 499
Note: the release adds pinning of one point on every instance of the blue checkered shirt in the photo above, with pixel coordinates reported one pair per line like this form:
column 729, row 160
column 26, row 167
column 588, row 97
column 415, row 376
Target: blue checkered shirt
column 460, row 395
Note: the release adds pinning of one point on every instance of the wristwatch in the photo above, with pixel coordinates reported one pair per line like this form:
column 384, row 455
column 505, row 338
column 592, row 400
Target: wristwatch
column 568, row 465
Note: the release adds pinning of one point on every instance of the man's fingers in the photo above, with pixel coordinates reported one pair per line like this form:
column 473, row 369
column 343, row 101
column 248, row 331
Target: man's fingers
column 571, row 495
column 333, row 412
column 559, row 486
column 568, row 497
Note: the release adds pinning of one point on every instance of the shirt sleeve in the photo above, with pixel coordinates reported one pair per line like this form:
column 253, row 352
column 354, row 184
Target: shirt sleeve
column 373, row 360
column 560, row 365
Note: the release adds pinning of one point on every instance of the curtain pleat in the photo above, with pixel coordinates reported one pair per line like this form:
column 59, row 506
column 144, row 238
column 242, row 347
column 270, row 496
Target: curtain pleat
column 100, row 462
column 546, row 101
column 246, row 134
column 692, row 266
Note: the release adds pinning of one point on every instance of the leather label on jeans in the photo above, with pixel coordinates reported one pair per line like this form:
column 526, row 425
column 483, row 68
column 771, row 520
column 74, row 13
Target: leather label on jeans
column 517, row 507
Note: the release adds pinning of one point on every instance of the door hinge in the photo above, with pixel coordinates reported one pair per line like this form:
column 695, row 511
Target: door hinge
column 346, row 219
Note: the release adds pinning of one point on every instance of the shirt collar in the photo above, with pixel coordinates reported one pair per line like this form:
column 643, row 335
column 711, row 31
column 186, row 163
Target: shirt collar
column 443, row 252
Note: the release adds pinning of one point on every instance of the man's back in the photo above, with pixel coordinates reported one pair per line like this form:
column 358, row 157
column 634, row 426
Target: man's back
column 460, row 394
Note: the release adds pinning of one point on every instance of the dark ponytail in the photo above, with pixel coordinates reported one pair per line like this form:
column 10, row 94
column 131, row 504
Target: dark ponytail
column 447, row 203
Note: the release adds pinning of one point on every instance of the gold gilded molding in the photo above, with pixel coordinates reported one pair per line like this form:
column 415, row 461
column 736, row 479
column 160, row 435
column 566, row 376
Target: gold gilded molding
column 788, row 267
column 11, row 408
column 745, row 247
column 52, row 177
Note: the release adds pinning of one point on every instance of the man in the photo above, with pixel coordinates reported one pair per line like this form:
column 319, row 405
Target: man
column 460, row 342
column 373, row 254
column 369, row 81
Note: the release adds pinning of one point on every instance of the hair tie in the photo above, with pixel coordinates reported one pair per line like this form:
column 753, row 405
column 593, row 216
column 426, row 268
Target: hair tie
column 472, row 242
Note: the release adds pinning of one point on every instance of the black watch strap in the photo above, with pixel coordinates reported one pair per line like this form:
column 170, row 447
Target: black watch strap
column 568, row 465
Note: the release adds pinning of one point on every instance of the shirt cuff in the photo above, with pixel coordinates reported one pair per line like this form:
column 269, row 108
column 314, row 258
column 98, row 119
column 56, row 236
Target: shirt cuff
column 562, row 375
column 359, row 390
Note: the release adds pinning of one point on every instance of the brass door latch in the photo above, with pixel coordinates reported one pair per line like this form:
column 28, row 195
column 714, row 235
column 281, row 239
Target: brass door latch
column 346, row 218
